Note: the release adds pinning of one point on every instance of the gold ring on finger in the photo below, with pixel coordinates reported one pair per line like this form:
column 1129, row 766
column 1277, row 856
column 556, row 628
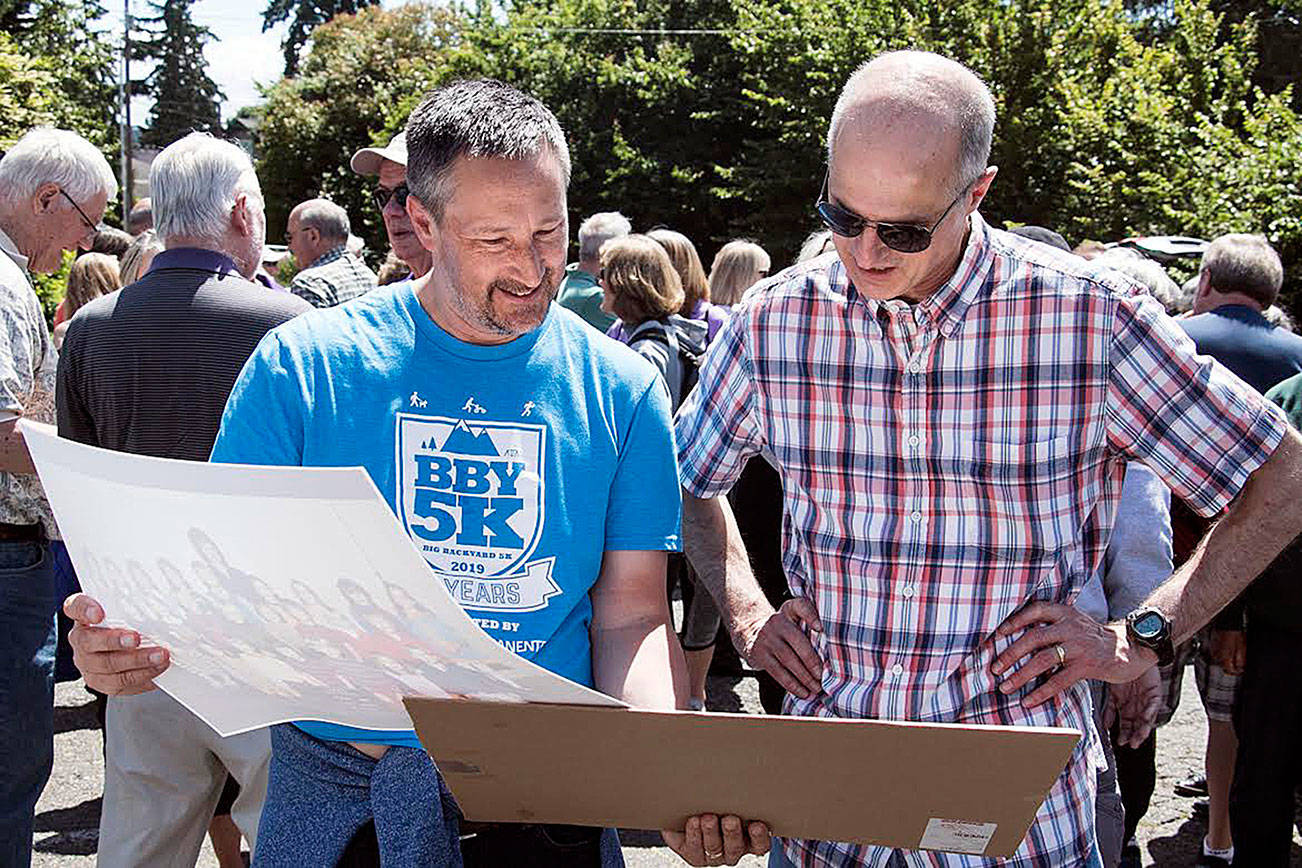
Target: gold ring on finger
column 1062, row 655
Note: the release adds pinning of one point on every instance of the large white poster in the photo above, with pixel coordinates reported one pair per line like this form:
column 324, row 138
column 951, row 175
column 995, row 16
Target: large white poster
column 283, row 593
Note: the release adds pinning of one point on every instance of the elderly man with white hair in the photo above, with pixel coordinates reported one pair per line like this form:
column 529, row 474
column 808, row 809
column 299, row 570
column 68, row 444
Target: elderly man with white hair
column 951, row 409
column 318, row 236
column 147, row 370
column 580, row 291
column 54, row 186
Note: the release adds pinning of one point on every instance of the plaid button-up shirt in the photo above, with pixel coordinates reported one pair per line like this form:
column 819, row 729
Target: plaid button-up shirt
column 944, row 463
column 334, row 278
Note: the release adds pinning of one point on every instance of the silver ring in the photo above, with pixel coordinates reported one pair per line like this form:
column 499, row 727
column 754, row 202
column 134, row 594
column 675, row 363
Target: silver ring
column 1062, row 655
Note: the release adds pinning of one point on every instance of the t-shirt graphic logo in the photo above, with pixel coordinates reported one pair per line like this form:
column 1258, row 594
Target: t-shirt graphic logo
column 472, row 498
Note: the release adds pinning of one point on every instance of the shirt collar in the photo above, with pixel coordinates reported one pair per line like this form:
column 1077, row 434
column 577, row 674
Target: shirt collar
column 11, row 250
column 1240, row 312
column 330, row 255
column 196, row 258
column 947, row 306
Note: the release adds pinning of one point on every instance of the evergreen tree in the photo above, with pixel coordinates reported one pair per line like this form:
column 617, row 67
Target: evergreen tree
column 185, row 98
column 306, row 16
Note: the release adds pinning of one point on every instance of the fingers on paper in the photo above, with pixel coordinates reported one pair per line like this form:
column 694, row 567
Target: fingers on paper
column 96, row 640
column 687, row 843
column 712, row 840
column 83, row 608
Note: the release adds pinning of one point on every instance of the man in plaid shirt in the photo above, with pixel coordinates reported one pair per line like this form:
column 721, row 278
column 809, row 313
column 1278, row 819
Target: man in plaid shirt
column 951, row 409
column 317, row 234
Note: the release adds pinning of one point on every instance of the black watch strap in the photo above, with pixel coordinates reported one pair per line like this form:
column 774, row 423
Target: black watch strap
column 1151, row 629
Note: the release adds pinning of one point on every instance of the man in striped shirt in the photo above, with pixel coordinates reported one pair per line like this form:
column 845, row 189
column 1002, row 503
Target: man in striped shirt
column 951, row 408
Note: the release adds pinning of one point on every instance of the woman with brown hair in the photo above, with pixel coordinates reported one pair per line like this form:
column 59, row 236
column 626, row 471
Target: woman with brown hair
column 92, row 275
column 640, row 286
column 696, row 289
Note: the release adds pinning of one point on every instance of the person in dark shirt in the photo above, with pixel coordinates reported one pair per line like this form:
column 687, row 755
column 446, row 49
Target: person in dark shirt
column 147, row 370
column 1268, row 715
column 1239, row 279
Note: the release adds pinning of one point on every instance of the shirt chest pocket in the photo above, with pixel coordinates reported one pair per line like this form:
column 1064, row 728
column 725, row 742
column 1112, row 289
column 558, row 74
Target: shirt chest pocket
column 1007, row 501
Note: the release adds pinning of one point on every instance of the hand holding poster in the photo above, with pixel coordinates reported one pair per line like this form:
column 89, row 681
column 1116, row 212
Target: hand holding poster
column 283, row 593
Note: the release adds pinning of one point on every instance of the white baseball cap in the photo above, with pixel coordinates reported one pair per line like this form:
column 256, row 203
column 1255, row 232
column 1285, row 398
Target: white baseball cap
column 367, row 160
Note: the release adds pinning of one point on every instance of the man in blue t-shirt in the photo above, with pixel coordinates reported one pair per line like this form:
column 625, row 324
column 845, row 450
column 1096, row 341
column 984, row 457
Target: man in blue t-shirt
column 529, row 458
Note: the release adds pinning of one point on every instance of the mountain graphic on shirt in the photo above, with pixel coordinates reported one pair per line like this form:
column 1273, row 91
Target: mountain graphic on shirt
column 462, row 441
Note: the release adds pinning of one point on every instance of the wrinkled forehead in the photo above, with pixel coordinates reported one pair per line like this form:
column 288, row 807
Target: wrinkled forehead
column 392, row 174
column 915, row 139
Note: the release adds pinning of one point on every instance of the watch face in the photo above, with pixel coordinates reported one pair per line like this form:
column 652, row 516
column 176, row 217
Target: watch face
column 1150, row 625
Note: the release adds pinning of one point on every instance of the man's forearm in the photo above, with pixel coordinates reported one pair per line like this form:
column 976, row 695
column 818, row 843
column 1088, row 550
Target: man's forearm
column 1266, row 517
column 713, row 544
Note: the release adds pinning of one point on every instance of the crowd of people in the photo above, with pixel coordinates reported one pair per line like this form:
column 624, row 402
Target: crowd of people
column 931, row 471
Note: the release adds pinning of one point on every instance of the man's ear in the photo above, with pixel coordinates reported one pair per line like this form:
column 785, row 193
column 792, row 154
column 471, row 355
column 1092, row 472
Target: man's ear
column 45, row 197
column 241, row 218
column 422, row 222
column 1204, row 284
column 981, row 187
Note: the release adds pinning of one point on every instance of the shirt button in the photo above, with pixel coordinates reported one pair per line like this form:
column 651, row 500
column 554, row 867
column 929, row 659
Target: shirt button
column 897, row 669
column 914, row 439
column 916, row 516
column 907, row 590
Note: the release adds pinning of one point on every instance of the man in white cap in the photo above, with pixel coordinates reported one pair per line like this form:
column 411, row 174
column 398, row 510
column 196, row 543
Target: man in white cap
column 390, row 196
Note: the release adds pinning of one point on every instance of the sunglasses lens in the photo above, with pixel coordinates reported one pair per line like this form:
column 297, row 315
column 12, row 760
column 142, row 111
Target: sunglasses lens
column 839, row 220
column 401, row 193
column 905, row 239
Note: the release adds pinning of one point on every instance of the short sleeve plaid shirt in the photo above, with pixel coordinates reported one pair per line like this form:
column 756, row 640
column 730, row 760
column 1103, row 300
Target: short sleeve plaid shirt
column 944, row 463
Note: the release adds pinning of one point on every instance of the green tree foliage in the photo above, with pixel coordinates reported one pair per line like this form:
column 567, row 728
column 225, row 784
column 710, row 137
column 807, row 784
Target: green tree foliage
column 710, row 115
column 349, row 94
column 56, row 68
column 185, row 98
column 1279, row 37
column 305, row 16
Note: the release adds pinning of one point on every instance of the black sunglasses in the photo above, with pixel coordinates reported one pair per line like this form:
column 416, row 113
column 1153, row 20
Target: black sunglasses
column 904, row 237
column 382, row 195
column 90, row 224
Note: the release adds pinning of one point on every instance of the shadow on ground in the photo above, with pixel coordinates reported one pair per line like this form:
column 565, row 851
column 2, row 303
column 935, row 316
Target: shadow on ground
column 76, row 829
column 69, row 718
column 1185, row 846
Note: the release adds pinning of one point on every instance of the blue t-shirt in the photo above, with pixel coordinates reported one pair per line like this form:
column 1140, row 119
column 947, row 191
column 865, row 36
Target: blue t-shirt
column 512, row 467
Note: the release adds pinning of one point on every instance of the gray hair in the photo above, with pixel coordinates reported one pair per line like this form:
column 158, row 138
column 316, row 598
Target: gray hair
column 926, row 83
column 145, row 246
column 1279, row 318
column 600, row 228
column 1147, row 273
column 1246, row 264
column 815, row 245
column 195, row 182
column 49, row 156
column 475, row 118
column 327, row 218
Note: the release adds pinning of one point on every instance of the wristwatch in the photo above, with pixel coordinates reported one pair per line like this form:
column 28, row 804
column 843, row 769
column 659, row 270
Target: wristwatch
column 1151, row 629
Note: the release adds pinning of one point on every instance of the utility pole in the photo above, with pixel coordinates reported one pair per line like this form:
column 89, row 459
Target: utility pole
column 127, row 180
